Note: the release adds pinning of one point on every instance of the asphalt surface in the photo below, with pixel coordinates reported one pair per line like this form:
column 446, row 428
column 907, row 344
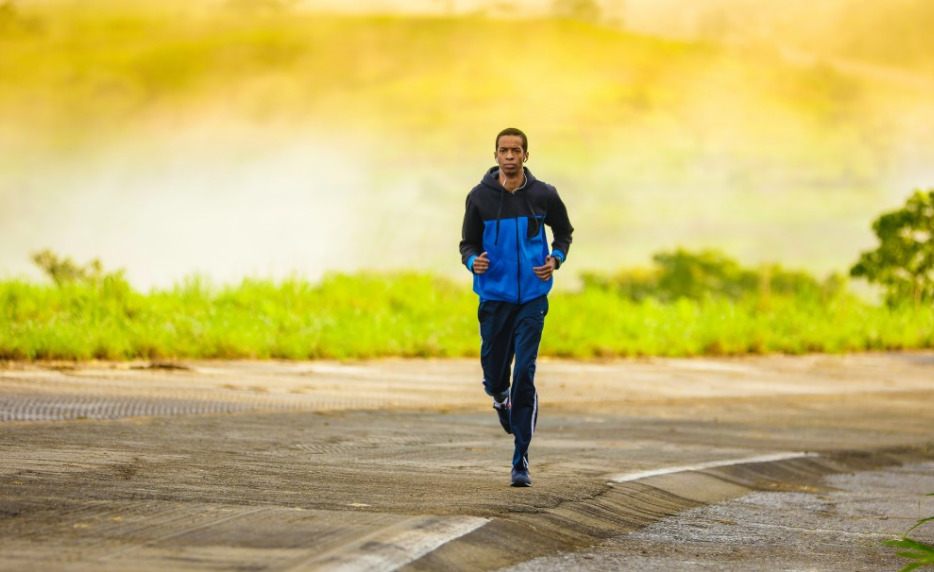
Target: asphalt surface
column 769, row 463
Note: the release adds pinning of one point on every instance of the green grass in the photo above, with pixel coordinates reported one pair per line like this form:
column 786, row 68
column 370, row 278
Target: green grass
column 341, row 318
column 418, row 315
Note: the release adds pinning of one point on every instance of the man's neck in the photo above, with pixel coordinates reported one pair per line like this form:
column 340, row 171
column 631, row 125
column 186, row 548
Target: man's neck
column 512, row 183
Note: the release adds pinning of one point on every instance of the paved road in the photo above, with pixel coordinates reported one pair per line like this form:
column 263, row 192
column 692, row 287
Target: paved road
column 401, row 464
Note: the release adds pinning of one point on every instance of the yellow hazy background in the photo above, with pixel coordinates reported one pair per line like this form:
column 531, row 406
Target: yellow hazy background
column 273, row 138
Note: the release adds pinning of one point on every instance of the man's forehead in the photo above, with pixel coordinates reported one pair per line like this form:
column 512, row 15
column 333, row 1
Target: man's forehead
column 510, row 141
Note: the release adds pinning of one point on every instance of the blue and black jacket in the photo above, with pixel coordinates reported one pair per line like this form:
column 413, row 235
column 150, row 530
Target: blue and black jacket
column 509, row 227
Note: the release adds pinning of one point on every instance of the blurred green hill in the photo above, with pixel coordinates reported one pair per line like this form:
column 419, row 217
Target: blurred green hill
column 656, row 142
column 65, row 66
column 892, row 33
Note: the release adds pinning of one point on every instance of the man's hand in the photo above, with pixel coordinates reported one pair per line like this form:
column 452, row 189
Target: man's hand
column 480, row 264
column 545, row 272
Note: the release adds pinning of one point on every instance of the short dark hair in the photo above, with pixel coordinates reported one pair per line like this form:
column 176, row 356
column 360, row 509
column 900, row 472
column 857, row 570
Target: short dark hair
column 513, row 131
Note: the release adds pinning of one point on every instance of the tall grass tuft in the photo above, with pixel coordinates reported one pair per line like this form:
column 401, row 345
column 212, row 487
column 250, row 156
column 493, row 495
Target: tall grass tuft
column 921, row 554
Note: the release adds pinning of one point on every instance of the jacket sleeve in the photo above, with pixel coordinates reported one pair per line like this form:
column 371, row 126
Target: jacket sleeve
column 471, row 234
column 561, row 228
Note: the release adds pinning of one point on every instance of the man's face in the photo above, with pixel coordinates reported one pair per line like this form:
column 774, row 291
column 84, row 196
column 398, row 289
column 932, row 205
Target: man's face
column 509, row 155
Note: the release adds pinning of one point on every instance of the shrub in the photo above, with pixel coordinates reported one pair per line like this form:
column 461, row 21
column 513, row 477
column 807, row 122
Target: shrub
column 903, row 263
column 712, row 275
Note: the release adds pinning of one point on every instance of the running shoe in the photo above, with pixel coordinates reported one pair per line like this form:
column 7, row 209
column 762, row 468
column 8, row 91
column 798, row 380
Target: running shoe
column 521, row 479
column 502, row 410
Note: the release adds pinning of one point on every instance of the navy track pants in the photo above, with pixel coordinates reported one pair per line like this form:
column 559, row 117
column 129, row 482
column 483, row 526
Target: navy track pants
column 513, row 332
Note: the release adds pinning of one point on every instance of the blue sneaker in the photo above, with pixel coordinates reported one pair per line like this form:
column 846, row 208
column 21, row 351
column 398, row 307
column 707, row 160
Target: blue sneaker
column 502, row 410
column 521, row 479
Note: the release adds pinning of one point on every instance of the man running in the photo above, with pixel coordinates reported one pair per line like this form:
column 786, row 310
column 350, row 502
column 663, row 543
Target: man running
column 503, row 244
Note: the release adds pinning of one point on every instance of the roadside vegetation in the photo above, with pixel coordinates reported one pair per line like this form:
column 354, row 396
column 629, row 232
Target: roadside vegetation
column 921, row 554
column 400, row 314
column 686, row 304
column 699, row 304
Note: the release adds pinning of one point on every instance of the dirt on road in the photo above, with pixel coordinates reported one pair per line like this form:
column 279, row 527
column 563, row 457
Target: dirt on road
column 401, row 464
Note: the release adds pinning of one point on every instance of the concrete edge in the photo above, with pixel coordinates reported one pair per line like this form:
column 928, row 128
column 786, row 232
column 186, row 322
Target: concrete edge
column 631, row 504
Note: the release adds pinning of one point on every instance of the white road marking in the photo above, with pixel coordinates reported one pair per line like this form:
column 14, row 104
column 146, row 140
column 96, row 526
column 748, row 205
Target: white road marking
column 395, row 546
column 629, row 477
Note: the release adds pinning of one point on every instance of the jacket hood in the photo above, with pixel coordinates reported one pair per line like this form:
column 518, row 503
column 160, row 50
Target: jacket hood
column 491, row 179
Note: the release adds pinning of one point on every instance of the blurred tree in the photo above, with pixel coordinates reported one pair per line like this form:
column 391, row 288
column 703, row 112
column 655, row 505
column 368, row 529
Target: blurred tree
column 583, row 10
column 903, row 263
column 64, row 270
column 711, row 274
column 686, row 274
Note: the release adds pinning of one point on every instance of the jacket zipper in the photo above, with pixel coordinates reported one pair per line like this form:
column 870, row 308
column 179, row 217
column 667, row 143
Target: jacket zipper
column 518, row 266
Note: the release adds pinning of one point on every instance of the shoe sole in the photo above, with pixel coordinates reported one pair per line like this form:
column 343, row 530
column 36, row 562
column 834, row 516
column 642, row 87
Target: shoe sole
column 519, row 482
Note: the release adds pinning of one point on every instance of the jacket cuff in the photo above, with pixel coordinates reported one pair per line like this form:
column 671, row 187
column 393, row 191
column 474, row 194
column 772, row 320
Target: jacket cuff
column 559, row 258
column 469, row 263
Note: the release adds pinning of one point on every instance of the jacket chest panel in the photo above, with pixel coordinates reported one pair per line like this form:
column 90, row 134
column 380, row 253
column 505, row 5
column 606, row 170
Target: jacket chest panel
column 515, row 206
